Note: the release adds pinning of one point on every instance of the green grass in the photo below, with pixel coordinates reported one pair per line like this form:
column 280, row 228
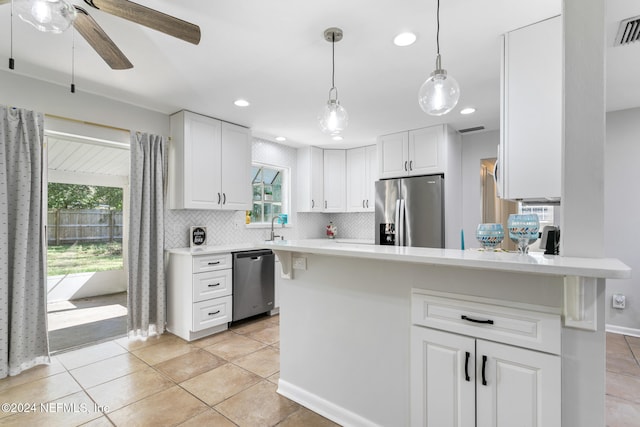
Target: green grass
column 84, row 257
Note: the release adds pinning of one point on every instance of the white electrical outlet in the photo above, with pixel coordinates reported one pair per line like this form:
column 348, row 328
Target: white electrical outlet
column 299, row 263
column 618, row 301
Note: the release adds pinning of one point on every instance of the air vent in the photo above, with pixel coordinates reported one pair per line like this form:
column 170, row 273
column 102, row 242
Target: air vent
column 628, row 31
column 474, row 129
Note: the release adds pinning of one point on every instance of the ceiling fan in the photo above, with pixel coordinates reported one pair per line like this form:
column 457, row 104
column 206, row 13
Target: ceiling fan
column 95, row 35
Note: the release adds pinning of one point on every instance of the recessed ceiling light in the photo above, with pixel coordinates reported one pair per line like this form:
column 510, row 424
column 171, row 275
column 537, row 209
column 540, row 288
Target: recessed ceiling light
column 281, row 138
column 241, row 103
column 337, row 138
column 468, row 110
column 404, row 39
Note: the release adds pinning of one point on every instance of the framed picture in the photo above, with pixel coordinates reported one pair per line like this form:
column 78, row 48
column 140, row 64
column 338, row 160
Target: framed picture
column 198, row 237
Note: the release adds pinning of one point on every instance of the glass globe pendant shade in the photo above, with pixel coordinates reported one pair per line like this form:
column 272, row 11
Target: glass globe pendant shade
column 52, row 16
column 439, row 94
column 333, row 118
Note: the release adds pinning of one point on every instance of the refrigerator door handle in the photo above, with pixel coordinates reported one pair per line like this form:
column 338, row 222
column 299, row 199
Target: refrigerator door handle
column 400, row 223
column 397, row 223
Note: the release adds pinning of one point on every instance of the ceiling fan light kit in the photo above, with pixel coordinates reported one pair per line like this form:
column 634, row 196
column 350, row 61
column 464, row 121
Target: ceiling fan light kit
column 333, row 118
column 56, row 16
column 50, row 16
column 440, row 93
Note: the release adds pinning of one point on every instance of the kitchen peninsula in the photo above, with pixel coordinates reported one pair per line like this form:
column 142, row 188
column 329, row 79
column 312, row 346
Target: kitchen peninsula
column 366, row 329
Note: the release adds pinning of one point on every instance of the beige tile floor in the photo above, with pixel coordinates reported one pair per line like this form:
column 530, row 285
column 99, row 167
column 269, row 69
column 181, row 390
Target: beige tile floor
column 228, row 379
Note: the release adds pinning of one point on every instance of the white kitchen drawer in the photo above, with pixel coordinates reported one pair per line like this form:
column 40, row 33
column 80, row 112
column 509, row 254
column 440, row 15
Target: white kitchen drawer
column 211, row 284
column 211, row 262
column 211, row 312
column 524, row 328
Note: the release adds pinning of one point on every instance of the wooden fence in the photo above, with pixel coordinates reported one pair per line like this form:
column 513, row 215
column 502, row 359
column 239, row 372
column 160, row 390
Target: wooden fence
column 66, row 226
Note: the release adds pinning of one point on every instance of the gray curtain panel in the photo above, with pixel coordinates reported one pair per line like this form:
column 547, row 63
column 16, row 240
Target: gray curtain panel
column 23, row 286
column 147, row 306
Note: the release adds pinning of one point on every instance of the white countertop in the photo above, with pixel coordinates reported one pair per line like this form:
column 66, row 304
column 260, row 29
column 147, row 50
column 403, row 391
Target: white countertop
column 537, row 263
column 212, row 249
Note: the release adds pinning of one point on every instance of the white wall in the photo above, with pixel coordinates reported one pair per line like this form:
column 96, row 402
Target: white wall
column 475, row 146
column 48, row 98
column 622, row 212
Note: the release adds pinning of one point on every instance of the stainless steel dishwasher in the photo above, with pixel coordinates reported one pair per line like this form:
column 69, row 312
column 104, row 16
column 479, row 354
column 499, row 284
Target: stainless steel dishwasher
column 253, row 283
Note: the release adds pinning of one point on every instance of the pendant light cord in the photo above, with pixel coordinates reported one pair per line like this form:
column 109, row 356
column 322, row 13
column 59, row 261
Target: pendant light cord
column 73, row 60
column 438, row 28
column 11, row 60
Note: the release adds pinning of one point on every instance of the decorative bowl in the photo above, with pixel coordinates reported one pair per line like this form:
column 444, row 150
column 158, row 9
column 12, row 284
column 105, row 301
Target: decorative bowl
column 490, row 235
column 523, row 229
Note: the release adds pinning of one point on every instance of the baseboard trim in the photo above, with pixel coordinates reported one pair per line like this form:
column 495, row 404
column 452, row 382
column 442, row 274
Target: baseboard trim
column 623, row 330
column 322, row 406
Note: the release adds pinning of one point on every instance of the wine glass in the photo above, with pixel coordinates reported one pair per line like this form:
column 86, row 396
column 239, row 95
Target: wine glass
column 523, row 229
column 490, row 235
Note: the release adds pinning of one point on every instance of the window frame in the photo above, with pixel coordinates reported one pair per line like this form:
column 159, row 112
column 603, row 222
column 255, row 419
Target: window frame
column 285, row 172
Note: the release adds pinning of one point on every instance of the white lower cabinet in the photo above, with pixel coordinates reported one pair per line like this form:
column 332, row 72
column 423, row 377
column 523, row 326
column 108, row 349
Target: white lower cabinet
column 199, row 294
column 461, row 380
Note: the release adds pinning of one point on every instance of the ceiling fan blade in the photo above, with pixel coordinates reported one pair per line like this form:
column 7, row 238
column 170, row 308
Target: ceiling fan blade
column 149, row 18
column 100, row 41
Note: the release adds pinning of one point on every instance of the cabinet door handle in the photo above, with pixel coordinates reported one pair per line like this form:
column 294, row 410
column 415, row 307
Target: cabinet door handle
column 484, row 367
column 411, row 165
column 213, row 263
column 313, row 203
column 405, row 166
column 364, row 205
column 466, row 366
column 219, row 198
column 469, row 319
column 325, row 204
column 214, row 313
column 367, row 203
column 224, row 198
column 213, row 285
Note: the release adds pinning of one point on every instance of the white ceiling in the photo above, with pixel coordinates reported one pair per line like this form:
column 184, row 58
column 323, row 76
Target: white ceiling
column 272, row 53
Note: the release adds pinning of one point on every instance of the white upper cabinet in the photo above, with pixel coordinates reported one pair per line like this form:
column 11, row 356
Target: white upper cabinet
column 415, row 152
column 393, row 154
column 335, row 194
column 236, row 167
column 530, row 150
column 361, row 176
column 209, row 164
column 310, row 181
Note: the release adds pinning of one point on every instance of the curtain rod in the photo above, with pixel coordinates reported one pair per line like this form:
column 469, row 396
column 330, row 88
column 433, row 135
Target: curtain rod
column 87, row 123
column 53, row 116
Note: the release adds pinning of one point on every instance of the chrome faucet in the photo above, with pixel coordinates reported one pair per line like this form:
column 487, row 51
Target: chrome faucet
column 273, row 234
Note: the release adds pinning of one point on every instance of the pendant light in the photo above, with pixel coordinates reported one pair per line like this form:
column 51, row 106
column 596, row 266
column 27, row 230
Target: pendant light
column 333, row 118
column 439, row 94
column 50, row 16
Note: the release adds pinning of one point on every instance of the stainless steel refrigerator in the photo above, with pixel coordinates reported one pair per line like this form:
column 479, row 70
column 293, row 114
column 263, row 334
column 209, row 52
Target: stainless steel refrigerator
column 410, row 211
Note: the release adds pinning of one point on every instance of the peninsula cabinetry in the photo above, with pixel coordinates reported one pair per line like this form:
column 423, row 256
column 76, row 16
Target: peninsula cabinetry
column 476, row 364
column 199, row 294
column 209, row 164
column 362, row 170
column 310, row 179
column 530, row 152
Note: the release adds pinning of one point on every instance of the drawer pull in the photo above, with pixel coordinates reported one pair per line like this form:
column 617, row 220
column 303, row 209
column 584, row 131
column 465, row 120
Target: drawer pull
column 484, row 366
column 213, row 285
column 214, row 313
column 213, row 263
column 466, row 366
column 469, row 319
